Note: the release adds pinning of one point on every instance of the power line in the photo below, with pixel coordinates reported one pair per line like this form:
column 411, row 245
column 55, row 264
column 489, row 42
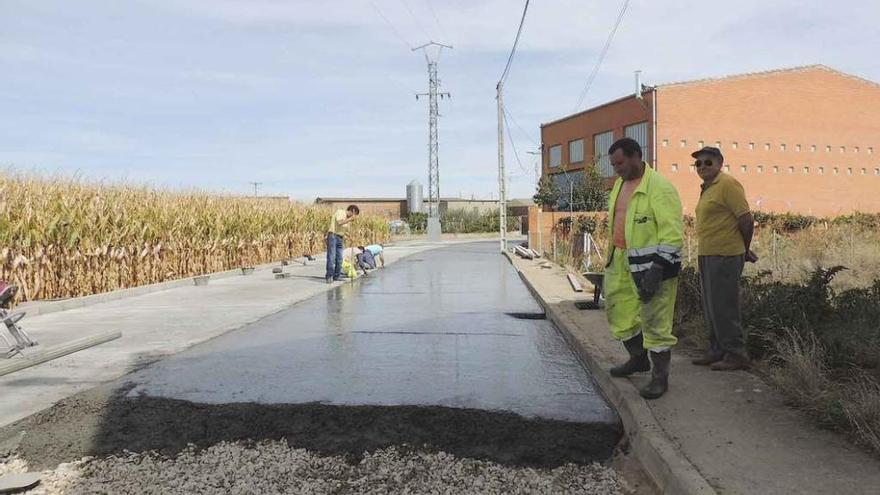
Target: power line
column 526, row 134
column 515, row 43
column 602, row 55
column 513, row 144
column 437, row 20
column 390, row 25
column 418, row 22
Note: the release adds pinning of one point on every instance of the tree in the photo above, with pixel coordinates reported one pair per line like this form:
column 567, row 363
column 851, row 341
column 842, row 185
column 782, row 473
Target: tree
column 547, row 193
column 591, row 194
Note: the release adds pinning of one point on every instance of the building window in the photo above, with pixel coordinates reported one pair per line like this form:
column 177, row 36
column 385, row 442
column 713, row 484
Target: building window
column 782, row 147
column 751, row 146
column 790, row 170
column 856, row 149
column 821, row 170
column 665, row 143
column 693, row 168
column 775, row 169
column 806, row 170
column 675, row 167
column 556, row 155
column 639, row 132
column 576, row 151
column 849, row 171
column 827, row 149
column 870, row 151
column 684, row 143
column 760, row 169
column 601, row 143
column 843, row 149
column 836, row 171
column 727, row 168
column 743, row 168
column 766, row 146
column 877, row 171
column 813, row 148
column 700, row 144
column 734, row 145
column 797, row 148
column 718, row 144
column 864, row 171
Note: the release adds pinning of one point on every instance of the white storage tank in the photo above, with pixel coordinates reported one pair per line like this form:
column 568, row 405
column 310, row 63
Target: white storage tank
column 414, row 198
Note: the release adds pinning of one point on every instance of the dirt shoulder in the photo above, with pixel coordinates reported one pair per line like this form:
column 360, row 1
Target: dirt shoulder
column 731, row 427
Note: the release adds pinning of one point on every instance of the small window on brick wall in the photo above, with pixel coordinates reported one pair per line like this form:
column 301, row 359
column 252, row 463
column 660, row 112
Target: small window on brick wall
column 700, row 144
column 665, row 143
column 828, row 149
column 836, row 171
column 734, row 145
column 775, row 169
column 856, row 149
column 760, row 169
column 782, row 147
column 821, row 170
column 751, row 146
column 843, row 149
column 877, row 171
column 849, row 171
column 813, row 148
column 684, row 143
column 864, row 171
column 743, row 168
column 797, row 148
column 767, row 146
column 727, row 168
column 870, row 151
column 791, row 170
column 806, row 170
column 718, row 144
column 675, row 167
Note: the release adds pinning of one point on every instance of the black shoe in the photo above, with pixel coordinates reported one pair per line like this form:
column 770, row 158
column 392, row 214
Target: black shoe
column 329, row 279
column 638, row 358
column 706, row 360
column 659, row 377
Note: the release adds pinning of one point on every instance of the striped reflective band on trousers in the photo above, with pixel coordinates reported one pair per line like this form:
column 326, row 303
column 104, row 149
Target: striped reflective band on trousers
column 641, row 259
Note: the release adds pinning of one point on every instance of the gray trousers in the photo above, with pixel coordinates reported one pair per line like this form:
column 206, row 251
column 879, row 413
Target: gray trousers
column 719, row 279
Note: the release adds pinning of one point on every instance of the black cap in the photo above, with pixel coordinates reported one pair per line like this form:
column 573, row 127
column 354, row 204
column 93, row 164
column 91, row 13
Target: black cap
column 709, row 150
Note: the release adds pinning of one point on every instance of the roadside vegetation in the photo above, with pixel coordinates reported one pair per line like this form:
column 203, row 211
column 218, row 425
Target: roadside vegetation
column 463, row 221
column 63, row 237
column 811, row 308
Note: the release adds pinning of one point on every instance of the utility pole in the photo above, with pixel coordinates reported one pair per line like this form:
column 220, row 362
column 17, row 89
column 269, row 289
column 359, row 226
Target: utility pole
column 256, row 185
column 502, row 180
column 433, row 93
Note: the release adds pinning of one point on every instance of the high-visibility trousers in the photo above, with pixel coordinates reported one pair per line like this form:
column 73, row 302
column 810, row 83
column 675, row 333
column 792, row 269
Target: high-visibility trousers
column 628, row 315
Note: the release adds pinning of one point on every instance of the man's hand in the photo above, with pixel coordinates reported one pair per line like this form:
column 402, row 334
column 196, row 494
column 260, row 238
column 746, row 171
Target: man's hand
column 751, row 257
column 650, row 282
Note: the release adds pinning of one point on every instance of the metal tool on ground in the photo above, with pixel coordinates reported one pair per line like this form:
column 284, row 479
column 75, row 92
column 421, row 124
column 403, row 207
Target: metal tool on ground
column 14, row 357
column 17, row 482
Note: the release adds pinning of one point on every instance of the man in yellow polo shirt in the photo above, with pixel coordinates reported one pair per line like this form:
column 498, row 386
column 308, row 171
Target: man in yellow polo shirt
column 724, row 230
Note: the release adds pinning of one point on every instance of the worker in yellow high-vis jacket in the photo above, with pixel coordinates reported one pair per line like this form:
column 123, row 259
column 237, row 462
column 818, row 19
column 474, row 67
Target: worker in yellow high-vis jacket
column 641, row 277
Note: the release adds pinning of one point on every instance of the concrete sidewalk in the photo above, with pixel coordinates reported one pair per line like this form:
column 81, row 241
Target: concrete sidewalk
column 157, row 324
column 731, row 429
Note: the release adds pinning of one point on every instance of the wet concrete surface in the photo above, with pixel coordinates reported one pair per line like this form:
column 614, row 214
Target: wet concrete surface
column 453, row 327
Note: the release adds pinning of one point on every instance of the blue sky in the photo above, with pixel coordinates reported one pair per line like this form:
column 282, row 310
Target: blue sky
column 316, row 98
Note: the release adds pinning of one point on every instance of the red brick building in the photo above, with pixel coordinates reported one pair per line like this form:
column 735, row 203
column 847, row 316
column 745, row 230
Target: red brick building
column 804, row 140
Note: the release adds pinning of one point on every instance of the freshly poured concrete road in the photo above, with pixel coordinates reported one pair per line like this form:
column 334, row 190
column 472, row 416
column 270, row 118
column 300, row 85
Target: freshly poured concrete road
column 441, row 328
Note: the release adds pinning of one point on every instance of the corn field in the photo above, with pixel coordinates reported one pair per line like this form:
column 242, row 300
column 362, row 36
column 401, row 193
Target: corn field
column 63, row 238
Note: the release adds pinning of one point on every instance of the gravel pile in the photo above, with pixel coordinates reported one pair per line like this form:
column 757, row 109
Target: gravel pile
column 270, row 467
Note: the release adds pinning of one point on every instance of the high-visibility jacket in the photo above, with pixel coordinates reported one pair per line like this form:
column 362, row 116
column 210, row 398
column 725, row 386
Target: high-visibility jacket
column 654, row 224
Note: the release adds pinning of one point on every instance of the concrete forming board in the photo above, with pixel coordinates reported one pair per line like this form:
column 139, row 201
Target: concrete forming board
column 451, row 327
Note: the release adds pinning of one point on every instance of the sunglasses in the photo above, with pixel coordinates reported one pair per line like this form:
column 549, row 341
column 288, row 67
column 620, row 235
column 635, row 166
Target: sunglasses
column 703, row 163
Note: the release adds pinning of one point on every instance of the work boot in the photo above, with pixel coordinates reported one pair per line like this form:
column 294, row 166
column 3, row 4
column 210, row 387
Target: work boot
column 707, row 360
column 731, row 362
column 659, row 376
column 638, row 358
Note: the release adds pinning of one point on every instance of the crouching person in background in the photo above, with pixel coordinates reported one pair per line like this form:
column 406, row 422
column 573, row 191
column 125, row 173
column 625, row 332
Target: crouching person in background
column 641, row 277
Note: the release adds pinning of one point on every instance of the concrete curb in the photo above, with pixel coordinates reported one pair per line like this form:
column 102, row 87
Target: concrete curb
column 667, row 467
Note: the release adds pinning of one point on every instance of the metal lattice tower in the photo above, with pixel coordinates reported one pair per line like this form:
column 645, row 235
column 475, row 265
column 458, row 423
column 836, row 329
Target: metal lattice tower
column 433, row 112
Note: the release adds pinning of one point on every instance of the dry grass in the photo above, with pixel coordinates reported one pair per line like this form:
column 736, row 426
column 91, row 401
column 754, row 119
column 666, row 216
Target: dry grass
column 65, row 238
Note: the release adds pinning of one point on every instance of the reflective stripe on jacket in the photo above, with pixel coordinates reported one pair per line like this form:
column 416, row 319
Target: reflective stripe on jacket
column 654, row 224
